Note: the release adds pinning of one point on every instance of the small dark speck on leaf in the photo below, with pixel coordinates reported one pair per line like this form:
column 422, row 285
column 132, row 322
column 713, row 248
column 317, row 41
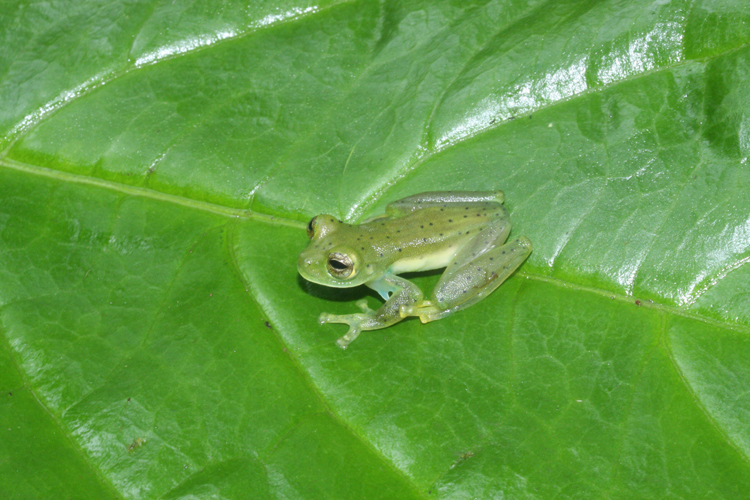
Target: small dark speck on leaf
column 137, row 443
column 268, row 325
column 638, row 302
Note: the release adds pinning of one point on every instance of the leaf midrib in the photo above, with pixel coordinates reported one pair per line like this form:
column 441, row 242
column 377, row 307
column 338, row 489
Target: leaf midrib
column 237, row 213
column 152, row 194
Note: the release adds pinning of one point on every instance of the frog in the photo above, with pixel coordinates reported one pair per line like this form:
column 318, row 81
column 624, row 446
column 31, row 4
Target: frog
column 465, row 232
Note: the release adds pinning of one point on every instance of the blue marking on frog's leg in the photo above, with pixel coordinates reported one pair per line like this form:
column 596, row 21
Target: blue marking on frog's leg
column 385, row 287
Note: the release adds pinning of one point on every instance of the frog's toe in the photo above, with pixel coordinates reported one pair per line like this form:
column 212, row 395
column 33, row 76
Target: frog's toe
column 347, row 339
column 362, row 304
column 326, row 318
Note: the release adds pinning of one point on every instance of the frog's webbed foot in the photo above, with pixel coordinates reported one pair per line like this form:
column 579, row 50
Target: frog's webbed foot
column 425, row 310
column 355, row 322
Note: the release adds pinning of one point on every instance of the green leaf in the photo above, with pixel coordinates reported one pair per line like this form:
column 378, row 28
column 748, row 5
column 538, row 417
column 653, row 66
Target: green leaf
column 158, row 161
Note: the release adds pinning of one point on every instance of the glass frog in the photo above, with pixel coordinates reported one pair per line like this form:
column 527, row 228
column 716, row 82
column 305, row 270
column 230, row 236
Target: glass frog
column 464, row 232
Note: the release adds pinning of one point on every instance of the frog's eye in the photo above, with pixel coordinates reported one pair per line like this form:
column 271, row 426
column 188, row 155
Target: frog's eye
column 340, row 265
column 311, row 227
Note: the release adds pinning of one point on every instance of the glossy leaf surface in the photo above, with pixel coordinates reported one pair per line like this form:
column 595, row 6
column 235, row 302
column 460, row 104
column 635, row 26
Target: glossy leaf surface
column 158, row 161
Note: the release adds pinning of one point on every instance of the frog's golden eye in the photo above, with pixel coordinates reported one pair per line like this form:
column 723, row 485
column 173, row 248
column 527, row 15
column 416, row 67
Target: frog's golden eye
column 311, row 227
column 340, row 265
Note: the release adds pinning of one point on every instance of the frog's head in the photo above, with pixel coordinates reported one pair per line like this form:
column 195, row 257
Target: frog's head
column 328, row 260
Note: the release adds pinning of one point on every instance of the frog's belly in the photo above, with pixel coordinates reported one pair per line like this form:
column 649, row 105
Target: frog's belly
column 435, row 260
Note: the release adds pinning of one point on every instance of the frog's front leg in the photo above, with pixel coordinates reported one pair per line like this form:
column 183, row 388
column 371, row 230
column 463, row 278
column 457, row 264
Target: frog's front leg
column 397, row 291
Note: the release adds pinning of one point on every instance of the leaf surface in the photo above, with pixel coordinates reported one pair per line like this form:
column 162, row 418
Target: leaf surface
column 158, row 161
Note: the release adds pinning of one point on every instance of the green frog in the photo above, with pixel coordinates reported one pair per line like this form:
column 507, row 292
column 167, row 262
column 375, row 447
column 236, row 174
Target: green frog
column 463, row 232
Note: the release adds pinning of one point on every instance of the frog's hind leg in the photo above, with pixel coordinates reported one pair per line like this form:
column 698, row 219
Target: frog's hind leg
column 437, row 198
column 477, row 270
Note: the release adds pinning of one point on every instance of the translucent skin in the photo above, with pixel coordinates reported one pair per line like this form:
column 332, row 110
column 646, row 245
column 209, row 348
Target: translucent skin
column 463, row 232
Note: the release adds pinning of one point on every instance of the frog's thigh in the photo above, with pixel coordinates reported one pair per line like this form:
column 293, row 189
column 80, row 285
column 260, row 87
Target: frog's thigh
column 434, row 198
column 486, row 239
column 472, row 281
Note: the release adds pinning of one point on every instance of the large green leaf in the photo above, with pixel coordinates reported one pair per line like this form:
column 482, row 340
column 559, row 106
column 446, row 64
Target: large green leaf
column 158, row 161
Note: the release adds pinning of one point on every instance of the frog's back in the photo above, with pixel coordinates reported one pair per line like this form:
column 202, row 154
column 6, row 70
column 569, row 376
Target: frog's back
column 428, row 238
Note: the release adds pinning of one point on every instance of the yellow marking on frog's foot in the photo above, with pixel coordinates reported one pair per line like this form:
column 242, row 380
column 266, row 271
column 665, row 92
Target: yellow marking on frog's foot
column 424, row 310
